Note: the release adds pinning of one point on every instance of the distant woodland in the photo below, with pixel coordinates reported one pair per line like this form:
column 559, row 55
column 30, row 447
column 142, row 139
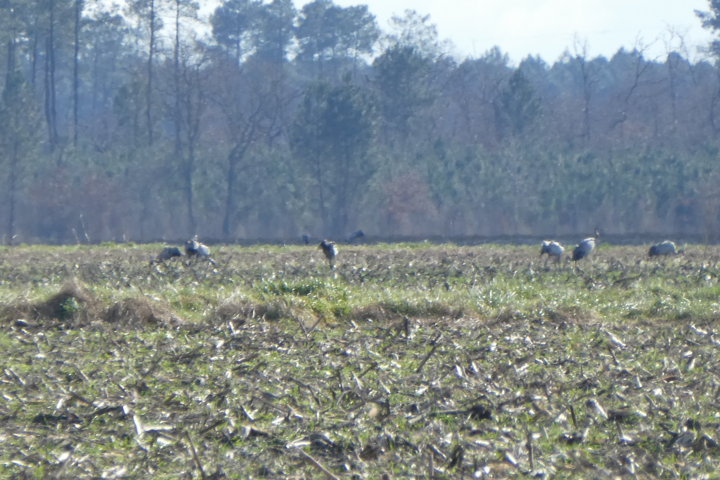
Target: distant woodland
column 147, row 121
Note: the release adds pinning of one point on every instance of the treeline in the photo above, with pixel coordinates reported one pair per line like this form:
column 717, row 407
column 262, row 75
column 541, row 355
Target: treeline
column 151, row 121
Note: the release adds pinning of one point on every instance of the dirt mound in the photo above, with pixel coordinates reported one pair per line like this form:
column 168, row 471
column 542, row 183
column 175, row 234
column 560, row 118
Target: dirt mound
column 140, row 312
column 72, row 302
column 73, row 306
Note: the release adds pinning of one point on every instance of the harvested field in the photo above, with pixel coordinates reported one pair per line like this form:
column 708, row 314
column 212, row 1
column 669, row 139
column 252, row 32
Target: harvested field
column 408, row 361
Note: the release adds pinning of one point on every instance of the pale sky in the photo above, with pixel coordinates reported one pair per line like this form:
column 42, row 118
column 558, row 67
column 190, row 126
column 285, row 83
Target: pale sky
column 550, row 27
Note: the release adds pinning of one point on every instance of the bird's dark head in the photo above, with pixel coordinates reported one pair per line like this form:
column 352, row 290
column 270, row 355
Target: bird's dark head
column 328, row 247
column 545, row 247
column 192, row 246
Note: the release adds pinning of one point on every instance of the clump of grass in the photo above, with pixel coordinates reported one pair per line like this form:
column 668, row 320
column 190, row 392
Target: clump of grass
column 300, row 288
column 323, row 298
column 422, row 308
column 244, row 309
column 375, row 312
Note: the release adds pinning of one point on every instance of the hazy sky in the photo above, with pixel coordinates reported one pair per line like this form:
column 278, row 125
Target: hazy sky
column 549, row 27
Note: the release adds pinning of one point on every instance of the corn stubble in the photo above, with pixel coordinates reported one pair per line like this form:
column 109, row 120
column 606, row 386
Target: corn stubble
column 405, row 361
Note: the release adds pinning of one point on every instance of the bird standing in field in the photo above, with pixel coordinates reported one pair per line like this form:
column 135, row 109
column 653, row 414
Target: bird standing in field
column 553, row 249
column 193, row 248
column 664, row 248
column 330, row 250
column 584, row 248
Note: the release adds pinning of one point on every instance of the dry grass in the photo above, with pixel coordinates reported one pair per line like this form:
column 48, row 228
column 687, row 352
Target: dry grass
column 141, row 312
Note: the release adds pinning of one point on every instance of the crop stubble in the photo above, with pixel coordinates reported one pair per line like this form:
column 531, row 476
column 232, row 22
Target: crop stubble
column 409, row 361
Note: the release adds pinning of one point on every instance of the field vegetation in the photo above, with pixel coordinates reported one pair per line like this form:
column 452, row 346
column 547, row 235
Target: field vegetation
column 407, row 361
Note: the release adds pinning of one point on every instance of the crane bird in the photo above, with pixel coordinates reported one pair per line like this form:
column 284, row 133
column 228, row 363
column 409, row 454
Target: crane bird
column 584, row 248
column 193, row 248
column 167, row 253
column 330, row 250
column 553, row 249
column 664, row 248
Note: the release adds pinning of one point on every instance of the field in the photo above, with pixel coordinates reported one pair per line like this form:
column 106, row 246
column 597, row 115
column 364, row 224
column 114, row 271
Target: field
column 407, row 361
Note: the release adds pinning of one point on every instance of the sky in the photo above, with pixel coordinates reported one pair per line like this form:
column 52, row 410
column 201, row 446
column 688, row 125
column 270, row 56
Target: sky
column 548, row 28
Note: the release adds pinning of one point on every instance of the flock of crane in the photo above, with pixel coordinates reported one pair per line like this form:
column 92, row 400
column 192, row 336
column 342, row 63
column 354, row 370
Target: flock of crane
column 193, row 249
column 553, row 249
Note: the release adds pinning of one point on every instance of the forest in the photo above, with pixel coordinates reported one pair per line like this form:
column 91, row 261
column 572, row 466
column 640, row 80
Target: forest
column 158, row 119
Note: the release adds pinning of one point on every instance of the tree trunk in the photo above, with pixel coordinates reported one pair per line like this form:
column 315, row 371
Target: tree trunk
column 176, row 80
column 12, row 191
column 50, row 92
column 10, row 58
column 319, row 177
column 76, row 70
column 233, row 161
column 189, row 197
column 151, row 59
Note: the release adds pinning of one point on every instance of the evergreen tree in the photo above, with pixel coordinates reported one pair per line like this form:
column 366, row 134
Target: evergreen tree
column 19, row 140
column 331, row 138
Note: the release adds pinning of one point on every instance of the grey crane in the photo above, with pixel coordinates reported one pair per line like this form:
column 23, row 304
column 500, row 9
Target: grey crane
column 663, row 248
column 193, row 248
column 585, row 247
column 330, row 250
column 553, row 249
